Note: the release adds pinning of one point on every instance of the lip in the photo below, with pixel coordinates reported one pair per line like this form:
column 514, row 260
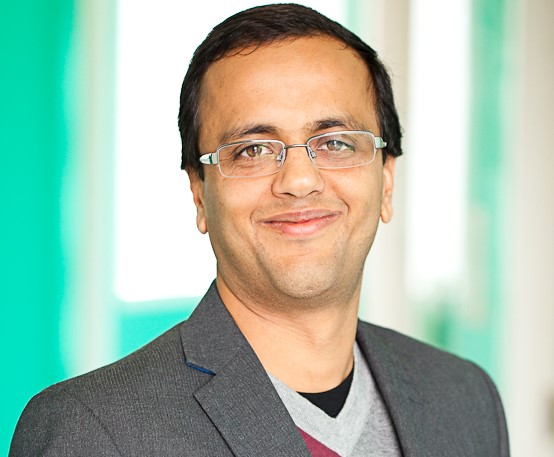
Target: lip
column 301, row 223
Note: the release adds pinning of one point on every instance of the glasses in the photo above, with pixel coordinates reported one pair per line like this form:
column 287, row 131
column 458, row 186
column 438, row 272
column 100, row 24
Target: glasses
column 254, row 158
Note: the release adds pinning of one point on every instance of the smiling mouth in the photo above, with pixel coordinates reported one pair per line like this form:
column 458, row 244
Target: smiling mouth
column 301, row 223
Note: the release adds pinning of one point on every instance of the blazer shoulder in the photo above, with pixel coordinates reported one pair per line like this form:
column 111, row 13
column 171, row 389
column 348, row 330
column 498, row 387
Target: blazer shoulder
column 458, row 394
column 52, row 424
column 146, row 394
column 430, row 370
column 152, row 360
column 412, row 350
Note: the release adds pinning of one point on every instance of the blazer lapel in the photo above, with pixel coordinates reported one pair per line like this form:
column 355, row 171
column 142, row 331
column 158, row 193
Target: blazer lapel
column 240, row 398
column 398, row 390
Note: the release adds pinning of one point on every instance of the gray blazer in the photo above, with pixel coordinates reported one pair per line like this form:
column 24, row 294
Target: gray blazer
column 199, row 390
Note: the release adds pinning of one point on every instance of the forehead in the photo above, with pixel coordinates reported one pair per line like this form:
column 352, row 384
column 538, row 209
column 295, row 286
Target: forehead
column 286, row 84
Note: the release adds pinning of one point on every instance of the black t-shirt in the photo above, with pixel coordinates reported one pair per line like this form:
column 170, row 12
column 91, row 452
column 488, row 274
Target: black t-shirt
column 331, row 401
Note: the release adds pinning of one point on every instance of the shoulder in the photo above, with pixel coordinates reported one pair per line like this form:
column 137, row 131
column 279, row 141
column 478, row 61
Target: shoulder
column 431, row 368
column 117, row 403
column 429, row 371
column 437, row 390
column 159, row 359
column 413, row 353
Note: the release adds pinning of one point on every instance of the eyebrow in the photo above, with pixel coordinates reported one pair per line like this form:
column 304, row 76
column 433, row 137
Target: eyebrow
column 248, row 129
column 345, row 122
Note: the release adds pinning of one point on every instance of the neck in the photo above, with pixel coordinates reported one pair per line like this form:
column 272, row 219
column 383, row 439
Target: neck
column 309, row 350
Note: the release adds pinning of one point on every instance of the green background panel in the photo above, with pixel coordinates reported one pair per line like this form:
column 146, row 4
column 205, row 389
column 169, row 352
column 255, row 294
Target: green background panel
column 136, row 328
column 35, row 39
column 480, row 335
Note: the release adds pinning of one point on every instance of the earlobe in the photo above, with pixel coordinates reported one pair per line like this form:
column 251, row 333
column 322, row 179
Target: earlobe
column 197, row 189
column 388, row 187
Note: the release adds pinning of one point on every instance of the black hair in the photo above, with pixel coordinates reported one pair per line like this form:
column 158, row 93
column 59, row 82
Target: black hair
column 263, row 25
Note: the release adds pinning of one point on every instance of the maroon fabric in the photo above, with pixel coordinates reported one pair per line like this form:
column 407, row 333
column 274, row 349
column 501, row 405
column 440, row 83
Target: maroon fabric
column 316, row 448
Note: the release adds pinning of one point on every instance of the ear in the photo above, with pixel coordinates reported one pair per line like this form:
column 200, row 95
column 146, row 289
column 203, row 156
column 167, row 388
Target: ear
column 197, row 189
column 388, row 186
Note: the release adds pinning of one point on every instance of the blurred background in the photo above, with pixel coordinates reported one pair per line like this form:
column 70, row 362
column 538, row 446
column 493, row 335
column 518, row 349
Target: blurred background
column 99, row 247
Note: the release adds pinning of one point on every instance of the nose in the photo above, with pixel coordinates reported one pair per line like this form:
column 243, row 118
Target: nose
column 299, row 176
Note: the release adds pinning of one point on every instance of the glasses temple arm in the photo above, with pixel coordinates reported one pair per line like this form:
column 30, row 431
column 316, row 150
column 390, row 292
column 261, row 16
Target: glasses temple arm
column 209, row 159
column 380, row 143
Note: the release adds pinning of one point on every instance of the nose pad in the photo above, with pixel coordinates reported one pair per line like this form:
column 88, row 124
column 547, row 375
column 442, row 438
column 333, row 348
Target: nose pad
column 281, row 158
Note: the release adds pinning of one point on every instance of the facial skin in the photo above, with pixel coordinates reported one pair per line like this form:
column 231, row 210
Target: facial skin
column 295, row 240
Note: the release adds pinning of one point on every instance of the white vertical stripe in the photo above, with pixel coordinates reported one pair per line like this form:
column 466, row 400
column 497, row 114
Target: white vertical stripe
column 437, row 144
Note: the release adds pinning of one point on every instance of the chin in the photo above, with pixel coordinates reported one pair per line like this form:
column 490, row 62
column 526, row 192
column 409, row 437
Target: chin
column 306, row 289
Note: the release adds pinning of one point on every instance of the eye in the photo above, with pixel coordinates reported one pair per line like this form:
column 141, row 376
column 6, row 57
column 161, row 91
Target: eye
column 336, row 146
column 253, row 150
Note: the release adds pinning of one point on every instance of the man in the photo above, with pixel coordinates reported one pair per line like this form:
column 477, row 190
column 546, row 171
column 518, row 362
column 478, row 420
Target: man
column 289, row 138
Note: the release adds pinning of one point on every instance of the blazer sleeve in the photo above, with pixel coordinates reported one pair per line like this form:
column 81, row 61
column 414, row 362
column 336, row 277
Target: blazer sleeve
column 53, row 425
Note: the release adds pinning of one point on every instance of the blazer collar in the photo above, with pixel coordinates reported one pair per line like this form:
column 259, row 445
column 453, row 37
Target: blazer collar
column 239, row 398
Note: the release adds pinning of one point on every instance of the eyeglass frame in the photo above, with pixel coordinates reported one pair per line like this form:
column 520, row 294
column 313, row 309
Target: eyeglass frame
column 212, row 158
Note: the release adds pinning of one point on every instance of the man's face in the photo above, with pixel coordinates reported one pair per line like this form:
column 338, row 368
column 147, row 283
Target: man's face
column 303, row 232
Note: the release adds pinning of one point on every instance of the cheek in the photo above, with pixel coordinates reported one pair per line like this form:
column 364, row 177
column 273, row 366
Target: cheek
column 229, row 211
column 361, row 190
column 362, row 194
